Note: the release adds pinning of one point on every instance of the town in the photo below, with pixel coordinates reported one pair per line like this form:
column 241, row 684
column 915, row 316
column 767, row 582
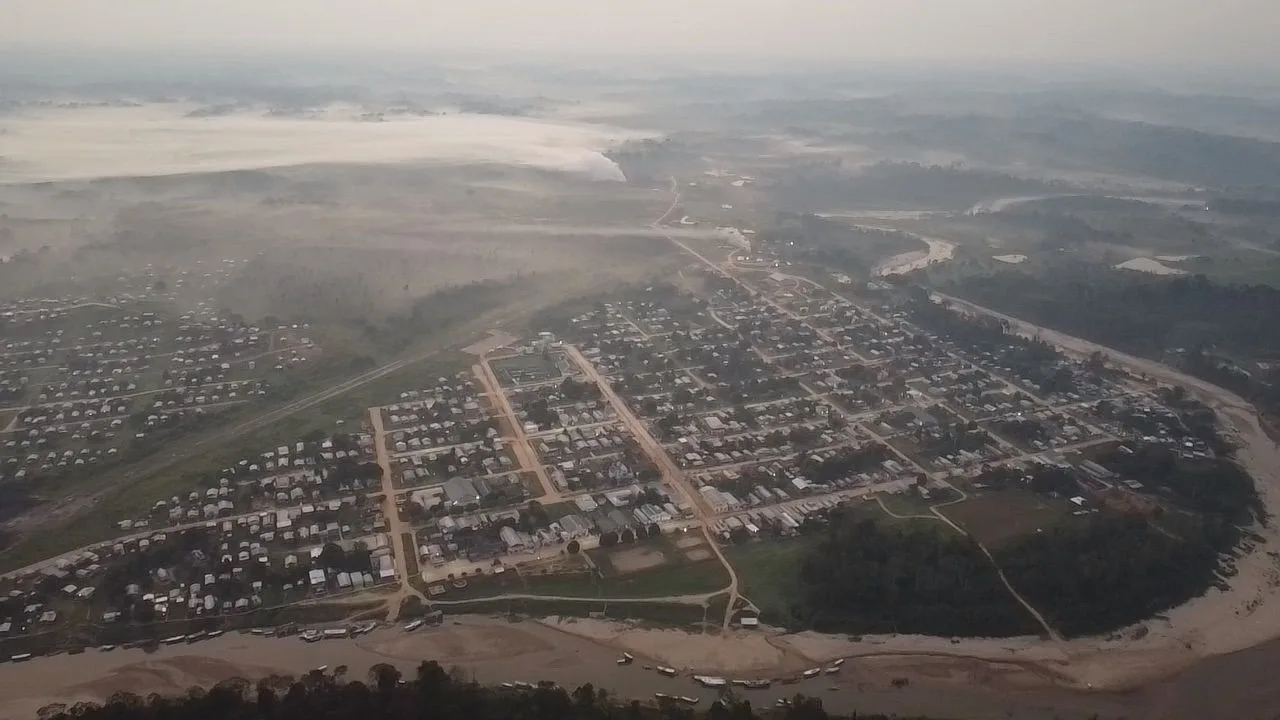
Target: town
column 616, row 455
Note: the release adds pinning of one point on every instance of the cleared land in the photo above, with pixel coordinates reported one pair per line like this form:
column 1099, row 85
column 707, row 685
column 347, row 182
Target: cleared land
column 998, row 517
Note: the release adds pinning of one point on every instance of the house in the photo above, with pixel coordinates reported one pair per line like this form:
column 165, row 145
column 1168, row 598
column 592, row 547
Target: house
column 514, row 540
column 460, row 491
column 386, row 568
column 574, row 526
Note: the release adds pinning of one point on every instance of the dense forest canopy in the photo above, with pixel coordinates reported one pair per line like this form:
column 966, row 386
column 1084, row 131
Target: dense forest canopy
column 834, row 244
column 1110, row 570
column 864, row 577
column 828, row 185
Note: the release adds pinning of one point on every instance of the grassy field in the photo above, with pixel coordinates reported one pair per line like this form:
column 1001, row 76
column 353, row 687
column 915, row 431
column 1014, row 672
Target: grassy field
column 769, row 573
column 906, row 504
column 657, row 612
column 997, row 517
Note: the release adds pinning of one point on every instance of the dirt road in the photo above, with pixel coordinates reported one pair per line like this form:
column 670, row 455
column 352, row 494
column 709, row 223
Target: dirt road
column 400, row 547
column 525, row 454
column 670, row 473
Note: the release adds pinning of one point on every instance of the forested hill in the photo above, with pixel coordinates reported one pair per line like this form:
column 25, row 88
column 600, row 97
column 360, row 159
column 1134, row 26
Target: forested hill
column 433, row 693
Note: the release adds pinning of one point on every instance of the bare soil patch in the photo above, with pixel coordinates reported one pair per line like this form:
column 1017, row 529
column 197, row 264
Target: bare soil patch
column 496, row 339
column 465, row 643
column 688, row 541
column 698, row 555
column 635, row 560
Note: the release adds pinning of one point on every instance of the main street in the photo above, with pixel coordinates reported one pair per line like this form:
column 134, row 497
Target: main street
column 402, row 542
column 671, row 474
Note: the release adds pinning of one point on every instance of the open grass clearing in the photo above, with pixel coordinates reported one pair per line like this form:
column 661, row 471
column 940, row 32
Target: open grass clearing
column 998, row 517
column 769, row 574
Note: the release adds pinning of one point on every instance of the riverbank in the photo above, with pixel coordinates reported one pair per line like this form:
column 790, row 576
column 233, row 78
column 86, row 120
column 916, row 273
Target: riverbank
column 939, row 251
column 570, row 652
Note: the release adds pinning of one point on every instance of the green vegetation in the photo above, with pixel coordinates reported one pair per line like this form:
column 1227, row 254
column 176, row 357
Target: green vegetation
column 1215, row 331
column 827, row 185
column 1108, row 572
column 681, row 614
column 769, row 572
column 834, row 244
column 863, row 577
column 1215, row 487
column 1004, row 516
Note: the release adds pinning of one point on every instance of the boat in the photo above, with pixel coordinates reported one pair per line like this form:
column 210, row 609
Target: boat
column 310, row 636
column 523, row 685
column 414, row 625
column 837, row 662
column 174, row 640
column 811, row 673
column 508, row 686
column 661, row 696
column 321, row 669
column 782, row 703
column 21, row 657
column 214, row 633
column 757, row 684
column 709, row 681
column 687, row 700
column 668, row 671
column 195, row 637
column 106, row 648
column 832, row 670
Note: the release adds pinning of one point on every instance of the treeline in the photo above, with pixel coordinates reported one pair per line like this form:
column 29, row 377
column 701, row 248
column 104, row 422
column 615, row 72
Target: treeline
column 801, row 237
column 1159, row 151
column 432, row 693
column 1208, row 322
column 1086, row 575
column 1111, row 570
column 864, row 577
column 828, row 185
column 1208, row 486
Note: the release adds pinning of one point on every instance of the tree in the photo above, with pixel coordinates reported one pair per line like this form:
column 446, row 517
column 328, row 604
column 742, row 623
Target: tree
column 332, row 556
column 573, row 547
column 385, row 677
column 608, row 539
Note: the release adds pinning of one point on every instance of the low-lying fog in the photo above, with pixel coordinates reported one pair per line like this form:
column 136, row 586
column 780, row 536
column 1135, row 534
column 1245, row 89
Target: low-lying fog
column 59, row 143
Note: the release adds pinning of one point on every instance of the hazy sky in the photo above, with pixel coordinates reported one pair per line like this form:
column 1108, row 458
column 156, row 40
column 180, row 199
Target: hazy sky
column 1216, row 32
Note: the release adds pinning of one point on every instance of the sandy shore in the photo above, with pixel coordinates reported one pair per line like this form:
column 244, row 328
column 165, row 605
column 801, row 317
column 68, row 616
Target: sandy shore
column 1219, row 622
column 939, row 251
column 571, row 653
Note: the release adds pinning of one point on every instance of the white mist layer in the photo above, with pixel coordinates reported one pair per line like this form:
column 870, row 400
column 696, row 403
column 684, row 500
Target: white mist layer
column 154, row 140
